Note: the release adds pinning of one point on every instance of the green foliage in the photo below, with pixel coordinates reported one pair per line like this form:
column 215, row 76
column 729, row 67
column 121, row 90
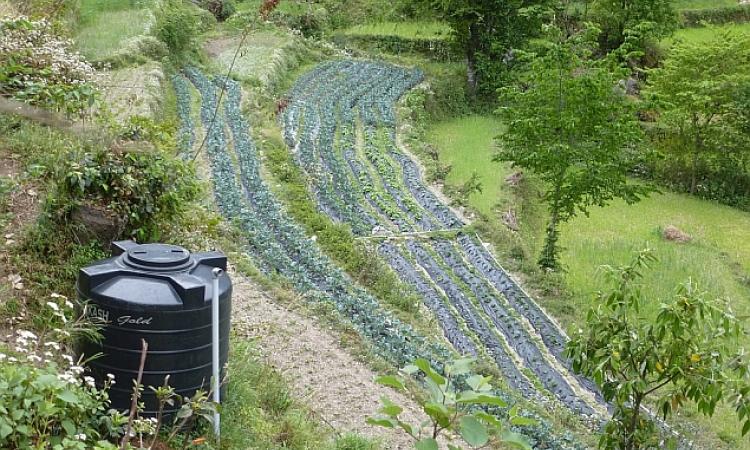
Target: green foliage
column 686, row 352
column 40, row 410
column 221, row 9
column 486, row 31
column 715, row 16
column 701, row 96
column 337, row 240
column 138, row 187
column 177, row 26
column 451, row 407
column 37, row 66
column 617, row 17
column 568, row 123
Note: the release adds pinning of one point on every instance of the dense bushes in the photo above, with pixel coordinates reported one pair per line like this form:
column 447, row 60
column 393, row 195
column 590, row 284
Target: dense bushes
column 221, row 9
column 715, row 16
column 38, row 67
column 137, row 187
column 438, row 49
column 176, row 25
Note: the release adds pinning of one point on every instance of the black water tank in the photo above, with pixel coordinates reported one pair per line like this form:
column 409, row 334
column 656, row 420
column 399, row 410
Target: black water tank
column 160, row 293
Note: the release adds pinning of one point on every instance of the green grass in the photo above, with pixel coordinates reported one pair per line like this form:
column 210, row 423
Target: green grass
column 718, row 257
column 703, row 4
column 466, row 144
column 405, row 30
column 703, row 34
column 105, row 25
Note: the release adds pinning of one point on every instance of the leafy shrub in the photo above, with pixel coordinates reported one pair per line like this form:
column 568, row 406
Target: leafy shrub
column 312, row 21
column 221, row 9
column 176, row 26
column 138, row 187
column 715, row 16
column 38, row 67
column 438, row 49
column 45, row 401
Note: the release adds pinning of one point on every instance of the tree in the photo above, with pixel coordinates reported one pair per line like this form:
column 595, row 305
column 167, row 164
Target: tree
column 617, row 17
column 487, row 31
column 451, row 406
column 701, row 95
column 569, row 123
column 685, row 352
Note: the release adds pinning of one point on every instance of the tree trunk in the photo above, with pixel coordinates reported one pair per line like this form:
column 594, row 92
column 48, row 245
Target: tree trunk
column 630, row 443
column 472, row 46
column 694, row 164
column 548, row 258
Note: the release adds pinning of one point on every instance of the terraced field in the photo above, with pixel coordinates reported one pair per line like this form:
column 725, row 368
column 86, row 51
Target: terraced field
column 280, row 247
column 340, row 123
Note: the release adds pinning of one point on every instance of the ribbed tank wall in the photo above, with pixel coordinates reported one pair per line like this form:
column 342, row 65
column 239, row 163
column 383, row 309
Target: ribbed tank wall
column 161, row 294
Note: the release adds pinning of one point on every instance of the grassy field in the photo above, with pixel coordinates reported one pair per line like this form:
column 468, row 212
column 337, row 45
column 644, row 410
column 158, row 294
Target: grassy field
column 718, row 257
column 406, row 30
column 702, row 34
column 466, row 144
column 703, row 4
column 105, row 25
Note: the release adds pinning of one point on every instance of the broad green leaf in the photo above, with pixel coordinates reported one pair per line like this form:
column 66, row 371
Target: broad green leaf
column 386, row 422
column 68, row 426
column 406, row 427
column 473, row 398
column 516, row 440
column 389, row 408
column 391, row 381
column 5, row 430
column 439, row 413
column 411, row 369
column 521, row 421
column 479, row 383
column 473, row 432
column 427, row 444
column 425, row 367
column 68, row 396
column 489, row 419
column 460, row 366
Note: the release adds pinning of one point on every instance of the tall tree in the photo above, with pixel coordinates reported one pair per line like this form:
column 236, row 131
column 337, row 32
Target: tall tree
column 618, row 17
column 569, row 123
column 687, row 351
column 487, row 31
column 701, row 93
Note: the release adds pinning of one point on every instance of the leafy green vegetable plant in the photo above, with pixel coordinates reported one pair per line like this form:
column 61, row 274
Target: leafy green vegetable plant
column 686, row 353
column 453, row 405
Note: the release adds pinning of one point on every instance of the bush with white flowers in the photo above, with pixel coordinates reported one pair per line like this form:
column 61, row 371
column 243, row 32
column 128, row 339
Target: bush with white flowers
column 46, row 400
column 40, row 68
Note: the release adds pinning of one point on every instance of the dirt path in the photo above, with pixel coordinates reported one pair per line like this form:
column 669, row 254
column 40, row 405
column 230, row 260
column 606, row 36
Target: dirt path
column 333, row 383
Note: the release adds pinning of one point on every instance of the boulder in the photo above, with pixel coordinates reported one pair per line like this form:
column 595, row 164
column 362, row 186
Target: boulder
column 94, row 222
column 674, row 234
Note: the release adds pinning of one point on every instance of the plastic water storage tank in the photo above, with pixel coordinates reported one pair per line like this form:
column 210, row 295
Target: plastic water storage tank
column 160, row 293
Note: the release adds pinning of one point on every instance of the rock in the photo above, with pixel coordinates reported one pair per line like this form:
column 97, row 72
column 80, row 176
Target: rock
column 672, row 233
column 514, row 179
column 510, row 220
column 94, row 222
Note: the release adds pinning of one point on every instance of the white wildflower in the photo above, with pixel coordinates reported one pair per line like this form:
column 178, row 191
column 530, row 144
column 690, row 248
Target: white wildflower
column 54, row 306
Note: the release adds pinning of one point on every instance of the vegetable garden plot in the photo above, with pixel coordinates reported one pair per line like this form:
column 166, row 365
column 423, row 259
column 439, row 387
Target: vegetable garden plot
column 341, row 118
column 279, row 246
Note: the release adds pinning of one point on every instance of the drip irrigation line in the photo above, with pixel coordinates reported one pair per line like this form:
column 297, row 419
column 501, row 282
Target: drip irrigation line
column 221, row 93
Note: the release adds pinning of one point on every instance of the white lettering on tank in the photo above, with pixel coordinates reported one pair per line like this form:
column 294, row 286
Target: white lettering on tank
column 130, row 320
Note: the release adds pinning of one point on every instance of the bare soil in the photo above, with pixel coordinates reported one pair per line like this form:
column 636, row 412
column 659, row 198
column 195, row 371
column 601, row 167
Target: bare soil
column 338, row 387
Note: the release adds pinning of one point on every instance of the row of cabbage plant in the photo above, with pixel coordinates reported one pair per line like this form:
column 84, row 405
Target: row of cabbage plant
column 480, row 308
column 280, row 247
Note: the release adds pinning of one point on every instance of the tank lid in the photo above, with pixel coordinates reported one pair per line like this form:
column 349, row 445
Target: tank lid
column 157, row 257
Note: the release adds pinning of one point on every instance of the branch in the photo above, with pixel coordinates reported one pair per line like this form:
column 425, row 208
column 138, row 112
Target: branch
column 134, row 404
